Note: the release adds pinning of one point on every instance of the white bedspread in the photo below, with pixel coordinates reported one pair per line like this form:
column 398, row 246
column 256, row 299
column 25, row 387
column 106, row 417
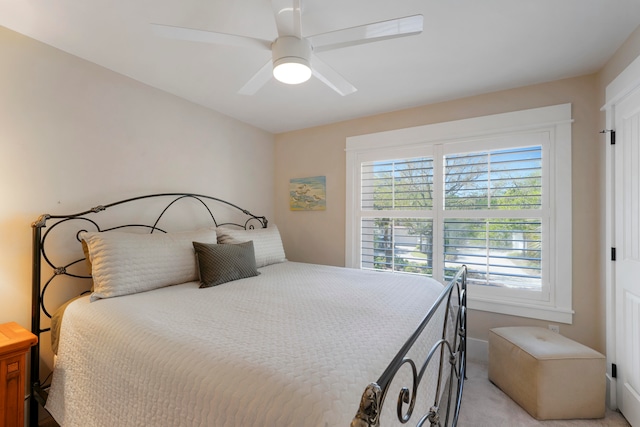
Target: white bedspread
column 295, row 346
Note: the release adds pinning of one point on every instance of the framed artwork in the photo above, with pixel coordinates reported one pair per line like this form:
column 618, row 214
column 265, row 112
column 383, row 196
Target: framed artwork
column 308, row 194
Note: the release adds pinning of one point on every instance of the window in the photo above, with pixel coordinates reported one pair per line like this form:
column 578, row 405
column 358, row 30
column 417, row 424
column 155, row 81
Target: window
column 493, row 193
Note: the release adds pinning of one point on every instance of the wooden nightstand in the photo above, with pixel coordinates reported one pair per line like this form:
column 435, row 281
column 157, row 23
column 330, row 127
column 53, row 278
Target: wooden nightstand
column 15, row 341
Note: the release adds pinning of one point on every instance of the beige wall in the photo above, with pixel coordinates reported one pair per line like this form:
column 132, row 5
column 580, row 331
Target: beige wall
column 319, row 237
column 74, row 135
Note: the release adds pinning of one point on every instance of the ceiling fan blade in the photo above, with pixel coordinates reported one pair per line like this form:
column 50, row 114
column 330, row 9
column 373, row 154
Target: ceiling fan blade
column 288, row 15
column 330, row 77
column 258, row 80
column 190, row 34
column 368, row 33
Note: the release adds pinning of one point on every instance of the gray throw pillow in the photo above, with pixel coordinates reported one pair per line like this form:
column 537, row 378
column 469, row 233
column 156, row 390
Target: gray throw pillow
column 221, row 263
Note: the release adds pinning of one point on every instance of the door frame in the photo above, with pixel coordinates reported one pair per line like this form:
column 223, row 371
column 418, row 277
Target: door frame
column 625, row 83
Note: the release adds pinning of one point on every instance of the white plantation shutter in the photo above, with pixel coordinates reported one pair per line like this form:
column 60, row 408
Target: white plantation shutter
column 388, row 244
column 500, row 250
column 398, row 242
column 397, row 184
column 497, row 252
column 499, row 179
column 502, row 247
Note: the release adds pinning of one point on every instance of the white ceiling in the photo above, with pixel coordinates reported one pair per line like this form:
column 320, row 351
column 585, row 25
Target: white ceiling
column 468, row 47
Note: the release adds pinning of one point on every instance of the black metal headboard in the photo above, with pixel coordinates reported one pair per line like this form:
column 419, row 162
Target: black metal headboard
column 154, row 210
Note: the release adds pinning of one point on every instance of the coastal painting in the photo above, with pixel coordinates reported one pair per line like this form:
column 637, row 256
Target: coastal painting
column 308, row 194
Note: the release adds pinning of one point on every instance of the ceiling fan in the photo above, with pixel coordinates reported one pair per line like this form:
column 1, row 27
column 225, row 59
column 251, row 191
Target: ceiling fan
column 293, row 56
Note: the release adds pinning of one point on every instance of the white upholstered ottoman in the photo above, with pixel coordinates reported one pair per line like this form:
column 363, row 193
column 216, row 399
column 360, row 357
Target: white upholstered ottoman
column 550, row 376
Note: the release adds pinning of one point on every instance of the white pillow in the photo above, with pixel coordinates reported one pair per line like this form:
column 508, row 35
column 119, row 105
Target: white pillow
column 266, row 242
column 127, row 263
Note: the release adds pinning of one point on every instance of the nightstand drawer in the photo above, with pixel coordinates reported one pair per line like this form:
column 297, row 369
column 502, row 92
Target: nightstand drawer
column 15, row 342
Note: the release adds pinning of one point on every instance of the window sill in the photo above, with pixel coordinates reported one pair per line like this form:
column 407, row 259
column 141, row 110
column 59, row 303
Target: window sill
column 533, row 311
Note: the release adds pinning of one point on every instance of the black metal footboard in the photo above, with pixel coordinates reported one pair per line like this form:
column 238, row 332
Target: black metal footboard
column 451, row 349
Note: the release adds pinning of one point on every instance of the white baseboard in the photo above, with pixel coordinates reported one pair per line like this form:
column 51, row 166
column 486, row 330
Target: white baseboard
column 477, row 350
column 611, row 393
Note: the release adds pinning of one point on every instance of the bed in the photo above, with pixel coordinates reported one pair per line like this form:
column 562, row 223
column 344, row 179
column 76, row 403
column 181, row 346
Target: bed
column 226, row 331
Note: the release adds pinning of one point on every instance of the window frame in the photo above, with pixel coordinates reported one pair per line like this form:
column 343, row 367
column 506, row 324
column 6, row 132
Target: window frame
column 456, row 136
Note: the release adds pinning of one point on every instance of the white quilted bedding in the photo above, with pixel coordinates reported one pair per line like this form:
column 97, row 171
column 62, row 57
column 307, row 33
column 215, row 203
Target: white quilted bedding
column 295, row 346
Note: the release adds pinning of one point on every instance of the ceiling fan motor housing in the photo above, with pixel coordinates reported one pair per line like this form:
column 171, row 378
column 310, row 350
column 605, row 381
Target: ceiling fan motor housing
column 291, row 51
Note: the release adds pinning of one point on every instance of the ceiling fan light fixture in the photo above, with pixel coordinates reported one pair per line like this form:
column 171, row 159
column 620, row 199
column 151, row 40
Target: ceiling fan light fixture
column 292, row 71
column 291, row 60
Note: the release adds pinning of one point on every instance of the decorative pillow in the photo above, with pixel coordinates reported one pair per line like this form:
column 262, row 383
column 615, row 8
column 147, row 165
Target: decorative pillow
column 127, row 263
column 266, row 242
column 222, row 263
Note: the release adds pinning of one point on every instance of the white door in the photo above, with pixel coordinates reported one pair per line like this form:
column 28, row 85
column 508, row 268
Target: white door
column 627, row 264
